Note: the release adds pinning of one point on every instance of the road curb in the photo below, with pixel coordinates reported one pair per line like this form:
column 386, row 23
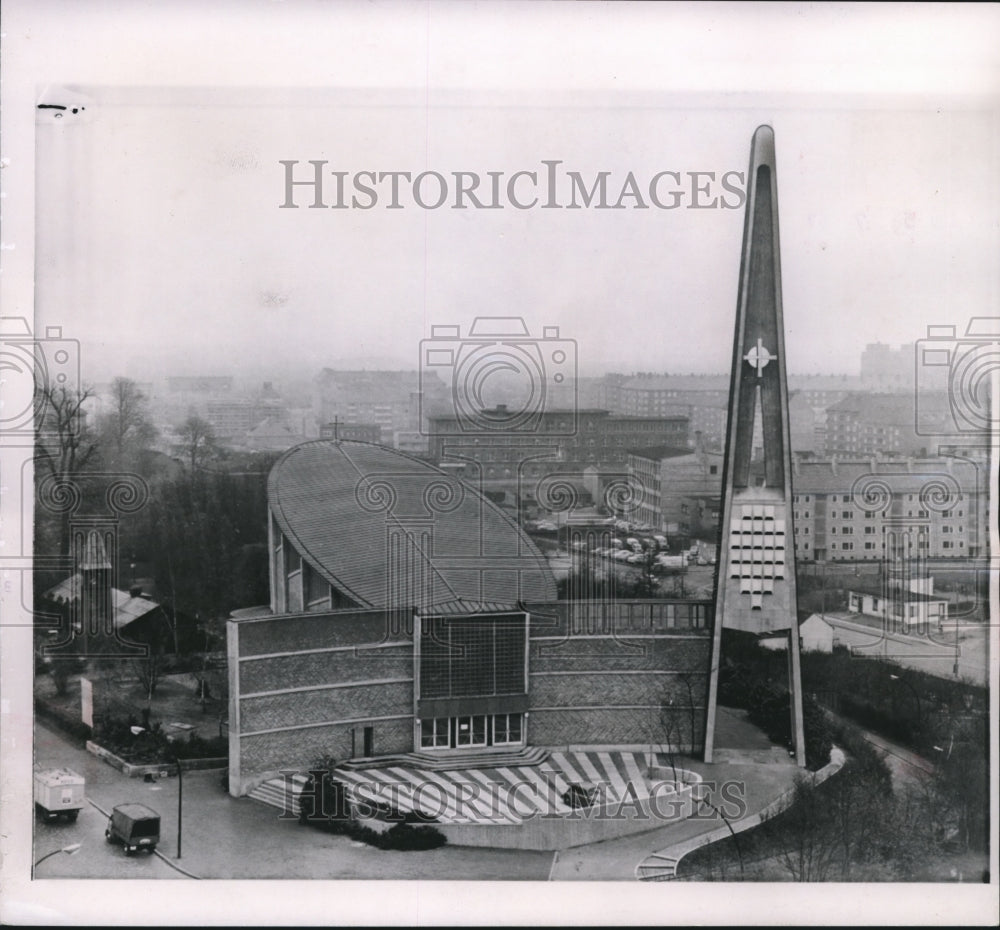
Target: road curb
column 156, row 852
column 679, row 850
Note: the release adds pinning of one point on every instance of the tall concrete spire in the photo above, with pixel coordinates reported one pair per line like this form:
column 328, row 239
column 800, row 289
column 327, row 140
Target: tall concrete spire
column 755, row 586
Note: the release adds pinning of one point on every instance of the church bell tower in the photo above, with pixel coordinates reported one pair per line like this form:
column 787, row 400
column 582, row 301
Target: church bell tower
column 755, row 585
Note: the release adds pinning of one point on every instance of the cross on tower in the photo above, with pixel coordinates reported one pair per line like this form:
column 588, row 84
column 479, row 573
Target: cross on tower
column 759, row 356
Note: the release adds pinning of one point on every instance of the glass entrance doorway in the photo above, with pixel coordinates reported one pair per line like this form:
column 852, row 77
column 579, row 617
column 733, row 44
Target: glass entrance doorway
column 472, row 731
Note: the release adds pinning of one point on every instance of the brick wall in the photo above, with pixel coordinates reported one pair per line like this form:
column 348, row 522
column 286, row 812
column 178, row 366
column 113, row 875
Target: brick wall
column 299, row 749
column 604, row 689
column 305, row 684
column 608, row 726
column 315, row 631
column 674, row 653
column 320, row 668
column 297, row 708
column 298, row 693
column 608, row 689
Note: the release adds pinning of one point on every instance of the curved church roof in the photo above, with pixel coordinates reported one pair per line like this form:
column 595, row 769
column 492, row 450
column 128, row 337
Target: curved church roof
column 389, row 530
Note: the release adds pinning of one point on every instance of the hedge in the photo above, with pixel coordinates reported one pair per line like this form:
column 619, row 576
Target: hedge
column 152, row 745
column 67, row 721
column 334, row 816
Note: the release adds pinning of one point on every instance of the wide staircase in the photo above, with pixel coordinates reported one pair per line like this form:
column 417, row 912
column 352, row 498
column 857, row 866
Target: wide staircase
column 283, row 792
column 657, row 867
column 446, row 760
column 486, row 787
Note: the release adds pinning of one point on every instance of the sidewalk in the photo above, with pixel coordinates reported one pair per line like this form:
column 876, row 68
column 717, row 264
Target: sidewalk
column 616, row 860
column 225, row 837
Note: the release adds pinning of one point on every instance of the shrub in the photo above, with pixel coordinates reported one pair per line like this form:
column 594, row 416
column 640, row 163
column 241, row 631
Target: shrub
column 197, row 747
column 863, row 757
column 326, row 808
column 324, row 805
column 66, row 721
column 578, row 797
column 152, row 746
column 771, row 711
column 404, row 837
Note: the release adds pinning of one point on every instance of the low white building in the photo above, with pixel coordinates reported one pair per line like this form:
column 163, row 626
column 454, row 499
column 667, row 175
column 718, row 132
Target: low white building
column 815, row 635
column 905, row 607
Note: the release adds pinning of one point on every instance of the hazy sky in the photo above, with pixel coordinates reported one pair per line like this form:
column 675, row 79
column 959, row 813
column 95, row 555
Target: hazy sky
column 161, row 244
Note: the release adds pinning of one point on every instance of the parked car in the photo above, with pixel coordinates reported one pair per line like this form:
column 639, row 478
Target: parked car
column 134, row 826
column 58, row 794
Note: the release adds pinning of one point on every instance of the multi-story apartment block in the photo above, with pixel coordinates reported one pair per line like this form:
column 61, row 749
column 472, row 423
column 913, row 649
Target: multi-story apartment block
column 390, row 399
column 875, row 424
column 887, row 370
column 356, row 432
column 679, row 489
column 860, row 509
column 575, row 440
column 200, row 384
column 704, row 399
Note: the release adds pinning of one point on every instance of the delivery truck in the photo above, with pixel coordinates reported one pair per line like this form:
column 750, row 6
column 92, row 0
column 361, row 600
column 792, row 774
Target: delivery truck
column 58, row 794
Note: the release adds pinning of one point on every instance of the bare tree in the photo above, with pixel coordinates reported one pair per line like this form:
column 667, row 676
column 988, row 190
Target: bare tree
column 809, row 831
column 126, row 425
column 197, row 441
column 65, row 443
column 149, row 669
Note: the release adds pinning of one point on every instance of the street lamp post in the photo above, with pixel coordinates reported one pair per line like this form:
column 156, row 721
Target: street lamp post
column 180, row 801
column 955, row 666
column 916, row 697
column 180, row 790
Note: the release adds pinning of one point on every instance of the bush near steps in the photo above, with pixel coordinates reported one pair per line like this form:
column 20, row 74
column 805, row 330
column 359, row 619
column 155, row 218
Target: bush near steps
column 327, row 808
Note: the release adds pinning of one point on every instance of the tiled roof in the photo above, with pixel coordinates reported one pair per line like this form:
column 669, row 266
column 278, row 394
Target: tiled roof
column 348, row 506
column 127, row 608
column 461, row 606
column 841, row 476
column 272, row 426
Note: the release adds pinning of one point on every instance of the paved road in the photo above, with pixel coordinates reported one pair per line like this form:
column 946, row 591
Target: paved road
column 906, row 767
column 226, row 837
column 935, row 656
column 616, row 860
column 96, row 858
